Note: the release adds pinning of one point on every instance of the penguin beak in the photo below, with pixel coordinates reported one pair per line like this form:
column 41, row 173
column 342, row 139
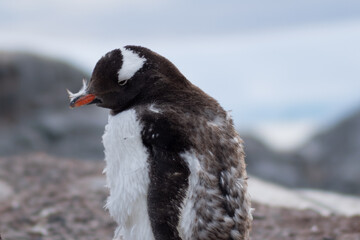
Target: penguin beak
column 82, row 100
column 82, row 97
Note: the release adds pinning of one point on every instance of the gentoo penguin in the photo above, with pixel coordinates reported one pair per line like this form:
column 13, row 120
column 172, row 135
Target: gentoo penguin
column 174, row 162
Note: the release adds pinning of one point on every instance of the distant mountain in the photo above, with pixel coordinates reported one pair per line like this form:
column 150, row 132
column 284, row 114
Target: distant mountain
column 330, row 160
column 268, row 164
column 333, row 157
column 34, row 112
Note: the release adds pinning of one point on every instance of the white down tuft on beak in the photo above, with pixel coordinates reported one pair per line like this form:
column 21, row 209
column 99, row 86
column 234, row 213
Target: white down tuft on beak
column 82, row 91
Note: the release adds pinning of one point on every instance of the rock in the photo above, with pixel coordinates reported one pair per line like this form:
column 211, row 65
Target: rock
column 34, row 112
column 6, row 191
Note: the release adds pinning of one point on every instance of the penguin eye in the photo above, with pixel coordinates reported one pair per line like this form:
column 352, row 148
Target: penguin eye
column 122, row 82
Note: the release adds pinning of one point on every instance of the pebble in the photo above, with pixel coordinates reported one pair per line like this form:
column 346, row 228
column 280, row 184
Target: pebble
column 6, row 191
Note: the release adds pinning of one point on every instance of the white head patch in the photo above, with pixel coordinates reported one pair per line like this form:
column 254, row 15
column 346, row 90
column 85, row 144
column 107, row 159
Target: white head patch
column 132, row 62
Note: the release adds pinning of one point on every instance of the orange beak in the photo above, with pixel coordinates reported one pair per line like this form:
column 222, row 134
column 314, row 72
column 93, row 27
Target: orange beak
column 82, row 100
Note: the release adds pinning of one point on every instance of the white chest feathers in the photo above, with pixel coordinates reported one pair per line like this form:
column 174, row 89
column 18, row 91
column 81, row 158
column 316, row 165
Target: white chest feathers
column 127, row 176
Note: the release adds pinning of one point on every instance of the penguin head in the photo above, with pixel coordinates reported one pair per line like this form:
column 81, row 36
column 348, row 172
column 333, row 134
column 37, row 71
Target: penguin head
column 128, row 76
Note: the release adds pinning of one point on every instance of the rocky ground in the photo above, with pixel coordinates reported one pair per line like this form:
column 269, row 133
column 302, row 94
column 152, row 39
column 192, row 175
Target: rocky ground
column 44, row 197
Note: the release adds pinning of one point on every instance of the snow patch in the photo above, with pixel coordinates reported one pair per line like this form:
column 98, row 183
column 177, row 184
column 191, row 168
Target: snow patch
column 323, row 202
column 285, row 136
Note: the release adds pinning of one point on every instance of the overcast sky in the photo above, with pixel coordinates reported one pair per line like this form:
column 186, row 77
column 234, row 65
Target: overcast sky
column 282, row 67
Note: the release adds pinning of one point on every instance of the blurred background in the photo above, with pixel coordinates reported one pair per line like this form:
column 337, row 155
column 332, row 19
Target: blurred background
column 287, row 70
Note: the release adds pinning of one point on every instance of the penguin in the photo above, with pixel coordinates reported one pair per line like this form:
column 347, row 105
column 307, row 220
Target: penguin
column 175, row 165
